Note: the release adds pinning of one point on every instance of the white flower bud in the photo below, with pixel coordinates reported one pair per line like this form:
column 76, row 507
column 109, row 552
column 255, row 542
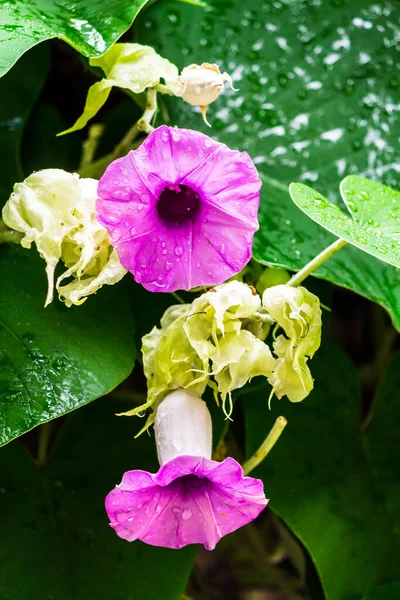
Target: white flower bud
column 182, row 427
column 201, row 85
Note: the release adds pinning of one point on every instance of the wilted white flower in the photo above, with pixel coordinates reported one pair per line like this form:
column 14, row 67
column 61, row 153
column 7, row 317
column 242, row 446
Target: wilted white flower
column 56, row 210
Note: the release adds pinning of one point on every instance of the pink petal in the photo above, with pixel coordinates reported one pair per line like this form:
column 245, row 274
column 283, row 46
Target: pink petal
column 208, row 248
column 191, row 500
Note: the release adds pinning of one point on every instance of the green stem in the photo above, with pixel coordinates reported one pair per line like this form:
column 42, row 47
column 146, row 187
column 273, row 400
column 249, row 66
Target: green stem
column 177, row 296
column 128, row 142
column 316, row 262
column 10, row 236
column 44, row 439
column 141, row 126
column 89, row 147
column 266, row 446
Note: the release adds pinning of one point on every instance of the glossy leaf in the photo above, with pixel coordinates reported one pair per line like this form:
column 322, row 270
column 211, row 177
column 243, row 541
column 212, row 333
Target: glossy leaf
column 318, row 91
column 320, row 482
column 54, row 526
column 90, row 26
column 288, row 238
column 55, row 359
column 18, row 93
column 382, row 438
column 374, row 224
column 389, row 591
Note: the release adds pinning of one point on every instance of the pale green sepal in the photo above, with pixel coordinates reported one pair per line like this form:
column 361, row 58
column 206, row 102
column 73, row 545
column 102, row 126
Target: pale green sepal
column 169, row 361
column 97, row 96
column 298, row 312
column 130, row 66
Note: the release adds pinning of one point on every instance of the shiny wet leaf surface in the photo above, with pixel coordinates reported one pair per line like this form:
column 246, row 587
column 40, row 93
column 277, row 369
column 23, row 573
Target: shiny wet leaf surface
column 90, row 26
column 54, row 360
column 318, row 99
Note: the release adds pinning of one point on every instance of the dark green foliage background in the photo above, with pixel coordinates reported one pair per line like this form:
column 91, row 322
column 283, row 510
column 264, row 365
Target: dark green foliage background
column 318, row 99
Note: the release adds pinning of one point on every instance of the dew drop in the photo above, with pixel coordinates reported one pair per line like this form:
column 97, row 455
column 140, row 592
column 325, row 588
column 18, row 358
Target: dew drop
column 164, row 251
column 178, row 250
column 352, row 206
column 176, row 510
column 187, row 513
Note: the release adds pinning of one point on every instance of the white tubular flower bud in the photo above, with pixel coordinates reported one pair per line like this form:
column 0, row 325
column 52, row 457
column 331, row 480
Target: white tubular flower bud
column 182, row 427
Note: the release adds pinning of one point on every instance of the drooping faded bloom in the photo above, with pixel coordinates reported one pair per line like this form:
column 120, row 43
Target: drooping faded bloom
column 56, row 211
column 192, row 499
column 131, row 67
column 181, row 210
column 298, row 313
column 200, row 85
column 219, row 335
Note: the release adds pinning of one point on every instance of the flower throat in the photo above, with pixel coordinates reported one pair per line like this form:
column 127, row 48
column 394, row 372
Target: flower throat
column 178, row 203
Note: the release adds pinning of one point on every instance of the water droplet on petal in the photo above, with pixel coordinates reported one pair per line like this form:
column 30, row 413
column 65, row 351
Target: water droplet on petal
column 187, row 513
column 178, row 250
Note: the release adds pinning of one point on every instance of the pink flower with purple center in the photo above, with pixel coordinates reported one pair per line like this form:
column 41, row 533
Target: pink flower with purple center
column 181, row 210
column 192, row 499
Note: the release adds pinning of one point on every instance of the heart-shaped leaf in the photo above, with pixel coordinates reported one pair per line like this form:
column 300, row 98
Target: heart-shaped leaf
column 374, row 224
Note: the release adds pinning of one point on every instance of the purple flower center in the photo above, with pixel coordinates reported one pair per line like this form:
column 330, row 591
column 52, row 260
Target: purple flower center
column 178, row 203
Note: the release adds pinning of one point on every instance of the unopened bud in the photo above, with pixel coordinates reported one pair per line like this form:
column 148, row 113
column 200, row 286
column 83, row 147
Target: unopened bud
column 201, row 85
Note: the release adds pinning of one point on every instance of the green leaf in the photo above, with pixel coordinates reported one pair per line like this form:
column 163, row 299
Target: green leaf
column 90, row 26
column 321, row 483
column 318, row 91
column 54, row 359
column 55, row 530
column 128, row 66
column 55, row 153
column 374, row 222
column 18, row 93
column 381, row 439
column 390, row 591
column 288, row 238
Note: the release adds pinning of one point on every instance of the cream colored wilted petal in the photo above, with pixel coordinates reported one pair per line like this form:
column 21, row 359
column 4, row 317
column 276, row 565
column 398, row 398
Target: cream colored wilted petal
column 169, row 361
column 130, row 66
column 57, row 211
column 297, row 311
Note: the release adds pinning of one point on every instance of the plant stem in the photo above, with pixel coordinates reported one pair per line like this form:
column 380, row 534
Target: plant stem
column 141, row 126
column 266, row 446
column 128, row 142
column 90, row 145
column 316, row 262
column 178, row 298
column 44, row 439
column 10, row 236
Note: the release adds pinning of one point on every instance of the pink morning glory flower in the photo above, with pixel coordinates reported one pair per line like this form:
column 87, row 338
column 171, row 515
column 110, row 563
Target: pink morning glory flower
column 181, row 210
column 192, row 499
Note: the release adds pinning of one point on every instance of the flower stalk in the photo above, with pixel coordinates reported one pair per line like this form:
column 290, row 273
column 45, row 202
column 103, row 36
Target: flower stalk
column 143, row 125
column 316, row 262
column 266, row 446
